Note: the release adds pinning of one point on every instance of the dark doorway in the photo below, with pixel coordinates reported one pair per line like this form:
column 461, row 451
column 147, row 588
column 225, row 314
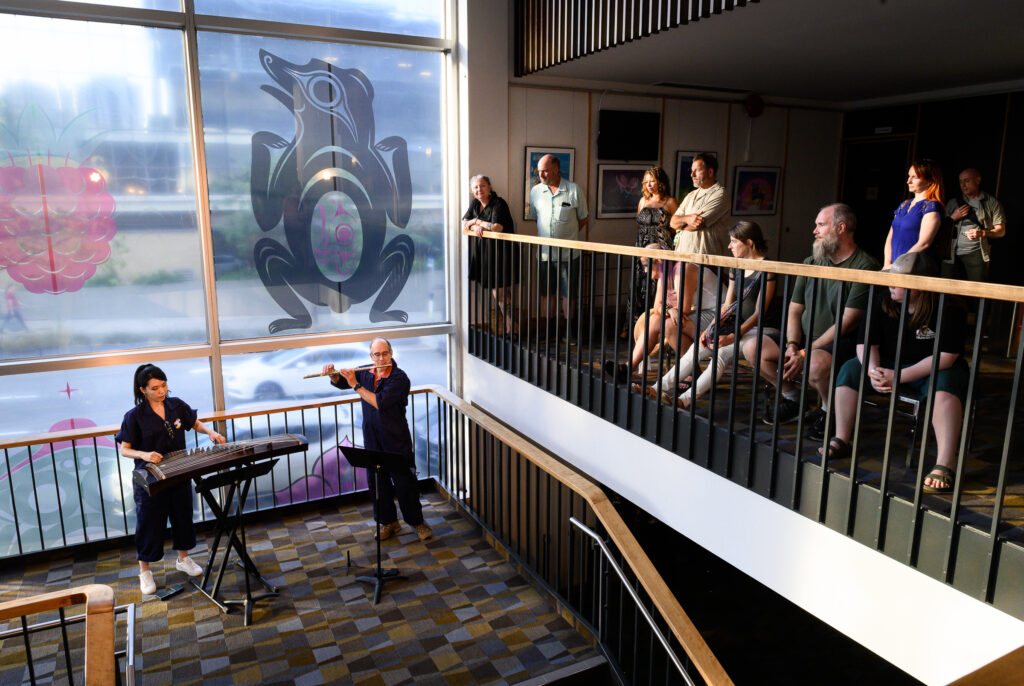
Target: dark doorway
column 874, row 183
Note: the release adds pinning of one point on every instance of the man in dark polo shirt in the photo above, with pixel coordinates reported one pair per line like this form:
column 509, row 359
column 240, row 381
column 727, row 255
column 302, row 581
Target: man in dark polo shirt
column 834, row 246
column 384, row 391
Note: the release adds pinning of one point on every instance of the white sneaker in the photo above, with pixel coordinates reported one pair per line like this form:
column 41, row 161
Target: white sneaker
column 146, row 583
column 188, row 566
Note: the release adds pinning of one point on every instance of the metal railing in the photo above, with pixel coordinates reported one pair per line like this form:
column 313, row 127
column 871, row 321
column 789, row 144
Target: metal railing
column 73, row 487
column 549, row 32
column 969, row 536
column 604, row 598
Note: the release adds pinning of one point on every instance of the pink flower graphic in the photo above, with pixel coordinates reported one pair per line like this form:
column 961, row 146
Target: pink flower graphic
column 56, row 223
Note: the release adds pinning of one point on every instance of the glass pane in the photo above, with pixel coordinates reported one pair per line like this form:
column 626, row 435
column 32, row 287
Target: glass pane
column 98, row 241
column 326, row 184
column 405, row 17
column 53, row 497
column 165, row 5
column 322, row 471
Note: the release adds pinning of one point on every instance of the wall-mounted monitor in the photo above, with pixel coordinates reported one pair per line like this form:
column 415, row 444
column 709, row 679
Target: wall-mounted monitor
column 626, row 135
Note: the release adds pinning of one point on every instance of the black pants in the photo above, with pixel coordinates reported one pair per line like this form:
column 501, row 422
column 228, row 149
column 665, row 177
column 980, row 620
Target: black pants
column 403, row 483
column 151, row 515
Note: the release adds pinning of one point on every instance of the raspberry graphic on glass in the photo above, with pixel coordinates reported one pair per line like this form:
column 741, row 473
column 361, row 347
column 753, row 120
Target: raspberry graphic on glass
column 56, row 218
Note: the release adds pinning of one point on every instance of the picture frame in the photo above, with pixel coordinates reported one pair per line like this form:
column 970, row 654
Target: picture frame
column 566, row 161
column 619, row 189
column 755, row 190
column 684, row 159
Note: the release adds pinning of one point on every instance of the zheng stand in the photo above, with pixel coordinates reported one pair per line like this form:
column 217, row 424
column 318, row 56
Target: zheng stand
column 376, row 461
column 237, row 481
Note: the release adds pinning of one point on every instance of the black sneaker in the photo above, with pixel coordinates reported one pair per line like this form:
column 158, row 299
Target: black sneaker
column 816, row 418
column 786, row 411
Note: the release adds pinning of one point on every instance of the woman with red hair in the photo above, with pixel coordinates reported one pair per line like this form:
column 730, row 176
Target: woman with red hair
column 916, row 222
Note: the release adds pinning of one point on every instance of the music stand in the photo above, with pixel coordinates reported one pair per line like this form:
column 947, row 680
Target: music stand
column 375, row 461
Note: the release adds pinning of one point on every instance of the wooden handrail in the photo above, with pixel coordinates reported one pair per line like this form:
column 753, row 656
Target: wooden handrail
column 1005, row 670
column 671, row 611
column 99, row 624
column 971, row 289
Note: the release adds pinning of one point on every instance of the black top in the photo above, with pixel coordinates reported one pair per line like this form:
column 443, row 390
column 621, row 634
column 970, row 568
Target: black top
column 918, row 344
column 496, row 212
column 385, row 427
column 143, row 429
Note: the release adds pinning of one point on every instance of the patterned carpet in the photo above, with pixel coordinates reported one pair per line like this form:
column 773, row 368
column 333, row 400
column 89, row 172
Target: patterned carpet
column 462, row 616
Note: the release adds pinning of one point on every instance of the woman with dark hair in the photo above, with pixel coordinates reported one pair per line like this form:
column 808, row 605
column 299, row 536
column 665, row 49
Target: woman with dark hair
column 488, row 212
column 154, row 427
column 740, row 309
column 916, row 222
column 653, row 213
column 915, row 365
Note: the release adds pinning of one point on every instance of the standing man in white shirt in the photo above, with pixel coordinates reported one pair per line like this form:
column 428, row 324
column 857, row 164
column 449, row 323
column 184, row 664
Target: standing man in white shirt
column 560, row 208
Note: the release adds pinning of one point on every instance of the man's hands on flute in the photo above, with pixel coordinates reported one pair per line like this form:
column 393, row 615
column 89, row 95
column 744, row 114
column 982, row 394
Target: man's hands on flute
column 348, row 374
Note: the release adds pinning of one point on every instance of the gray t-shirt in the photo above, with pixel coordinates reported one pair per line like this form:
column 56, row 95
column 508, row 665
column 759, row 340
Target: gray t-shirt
column 965, row 245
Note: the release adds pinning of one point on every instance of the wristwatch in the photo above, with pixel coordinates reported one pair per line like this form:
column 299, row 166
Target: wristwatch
column 357, row 386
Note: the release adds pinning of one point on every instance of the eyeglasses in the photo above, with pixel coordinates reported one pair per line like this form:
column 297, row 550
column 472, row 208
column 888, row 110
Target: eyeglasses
column 379, row 355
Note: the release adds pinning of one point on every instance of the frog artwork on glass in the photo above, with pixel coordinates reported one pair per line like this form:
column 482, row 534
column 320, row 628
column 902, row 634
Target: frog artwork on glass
column 333, row 189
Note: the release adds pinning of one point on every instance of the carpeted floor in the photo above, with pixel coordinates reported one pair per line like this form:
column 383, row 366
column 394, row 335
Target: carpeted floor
column 462, row 616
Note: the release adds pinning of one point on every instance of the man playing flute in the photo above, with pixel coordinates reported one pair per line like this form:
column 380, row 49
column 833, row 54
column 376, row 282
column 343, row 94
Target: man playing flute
column 384, row 391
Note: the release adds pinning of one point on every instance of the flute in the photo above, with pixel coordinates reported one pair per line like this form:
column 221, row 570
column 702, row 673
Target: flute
column 355, row 369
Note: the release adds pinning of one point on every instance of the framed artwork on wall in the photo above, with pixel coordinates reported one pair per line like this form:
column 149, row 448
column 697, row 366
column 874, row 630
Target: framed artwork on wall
column 566, row 158
column 619, row 189
column 684, row 159
column 755, row 190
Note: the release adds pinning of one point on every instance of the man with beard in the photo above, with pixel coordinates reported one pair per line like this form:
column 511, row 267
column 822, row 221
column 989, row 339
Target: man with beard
column 834, row 246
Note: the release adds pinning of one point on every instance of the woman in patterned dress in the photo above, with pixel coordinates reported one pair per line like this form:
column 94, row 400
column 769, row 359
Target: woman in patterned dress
column 652, row 216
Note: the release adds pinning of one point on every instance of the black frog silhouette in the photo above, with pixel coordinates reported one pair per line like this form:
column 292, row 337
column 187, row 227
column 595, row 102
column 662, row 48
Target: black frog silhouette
column 331, row 162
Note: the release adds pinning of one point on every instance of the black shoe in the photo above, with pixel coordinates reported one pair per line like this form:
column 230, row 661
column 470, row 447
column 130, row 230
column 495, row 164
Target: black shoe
column 619, row 372
column 816, row 418
column 786, row 411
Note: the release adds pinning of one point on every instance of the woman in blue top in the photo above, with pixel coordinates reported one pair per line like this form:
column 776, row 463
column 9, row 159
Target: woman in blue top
column 916, row 222
column 154, row 427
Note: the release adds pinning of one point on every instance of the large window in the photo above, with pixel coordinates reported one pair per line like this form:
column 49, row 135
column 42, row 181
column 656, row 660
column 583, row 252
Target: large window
column 324, row 175
column 98, row 242
column 326, row 183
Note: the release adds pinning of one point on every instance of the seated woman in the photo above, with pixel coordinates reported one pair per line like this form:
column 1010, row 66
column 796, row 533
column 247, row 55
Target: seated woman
column 915, row 368
column 662, row 315
column 746, row 241
column 916, row 222
column 488, row 212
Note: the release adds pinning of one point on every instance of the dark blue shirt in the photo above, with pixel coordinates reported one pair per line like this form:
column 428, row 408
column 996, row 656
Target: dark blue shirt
column 143, row 429
column 385, row 427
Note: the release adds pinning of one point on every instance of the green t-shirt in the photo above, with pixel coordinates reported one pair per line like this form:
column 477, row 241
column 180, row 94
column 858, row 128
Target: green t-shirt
column 854, row 295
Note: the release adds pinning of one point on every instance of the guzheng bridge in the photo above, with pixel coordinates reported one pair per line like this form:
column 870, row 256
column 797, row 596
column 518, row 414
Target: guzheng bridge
column 243, row 193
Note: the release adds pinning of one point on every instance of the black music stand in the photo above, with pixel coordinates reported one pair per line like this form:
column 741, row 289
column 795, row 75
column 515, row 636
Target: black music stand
column 375, row 461
column 237, row 480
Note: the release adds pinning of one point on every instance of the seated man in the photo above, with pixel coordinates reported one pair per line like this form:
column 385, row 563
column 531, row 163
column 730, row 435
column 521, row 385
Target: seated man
column 834, row 246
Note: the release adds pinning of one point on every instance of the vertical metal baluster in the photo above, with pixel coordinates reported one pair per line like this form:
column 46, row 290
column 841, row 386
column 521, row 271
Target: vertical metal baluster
column 14, row 504
column 56, row 492
column 833, row 368
column 783, row 337
column 712, row 396
column 863, row 384
column 67, row 645
column 99, row 486
column 598, row 379
column 731, row 414
column 29, row 662
column 913, row 544
column 648, row 302
column 762, row 306
column 590, row 338
column 615, row 346
column 948, row 560
column 883, row 487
